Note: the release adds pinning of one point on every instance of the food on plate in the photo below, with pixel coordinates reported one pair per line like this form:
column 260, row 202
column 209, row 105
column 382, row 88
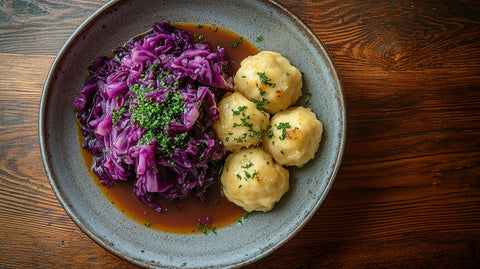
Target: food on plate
column 147, row 115
column 241, row 124
column 269, row 80
column 294, row 136
column 253, row 180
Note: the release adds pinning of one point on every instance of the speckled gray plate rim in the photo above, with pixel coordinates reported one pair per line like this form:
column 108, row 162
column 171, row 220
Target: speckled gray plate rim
column 235, row 245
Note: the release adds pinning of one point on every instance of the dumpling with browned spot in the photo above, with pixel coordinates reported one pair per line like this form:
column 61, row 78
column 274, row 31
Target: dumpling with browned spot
column 293, row 136
column 269, row 80
column 253, row 180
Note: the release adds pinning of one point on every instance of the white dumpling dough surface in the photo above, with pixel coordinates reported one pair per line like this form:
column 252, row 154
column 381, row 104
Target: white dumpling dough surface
column 240, row 123
column 270, row 79
column 253, row 180
column 294, row 136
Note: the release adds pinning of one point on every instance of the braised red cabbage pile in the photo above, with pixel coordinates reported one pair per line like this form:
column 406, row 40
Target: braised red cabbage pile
column 147, row 114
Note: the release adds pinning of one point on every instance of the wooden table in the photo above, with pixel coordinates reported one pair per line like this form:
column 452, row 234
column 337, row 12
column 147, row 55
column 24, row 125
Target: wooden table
column 407, row 194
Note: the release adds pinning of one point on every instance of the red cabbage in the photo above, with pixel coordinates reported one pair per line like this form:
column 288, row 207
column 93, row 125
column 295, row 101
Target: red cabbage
column 147, row 115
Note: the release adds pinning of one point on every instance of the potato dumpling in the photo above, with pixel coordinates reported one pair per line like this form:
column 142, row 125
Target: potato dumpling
column 253, row 180
column 240, row 123
column 269, row 80
column 293, row 136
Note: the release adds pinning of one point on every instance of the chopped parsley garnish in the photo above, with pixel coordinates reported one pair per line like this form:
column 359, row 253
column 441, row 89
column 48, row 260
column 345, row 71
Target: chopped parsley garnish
column 155, row 117
column 239, row 110
column 245, row 121
column 307, row 95
column 205, row 228
column 259, row 38
column 246, row 174
column 245, row 216
column 283, row 126
column 265, row 80
column 260, row 102
column 237, row 42
column 260, row 90
column 269, row 132
column 163, row 84
column 241, row 139
column 250, row 164
column 117, row 115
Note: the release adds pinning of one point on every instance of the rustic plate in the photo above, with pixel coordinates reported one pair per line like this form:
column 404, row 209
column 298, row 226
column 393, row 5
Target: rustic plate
column 235, row 245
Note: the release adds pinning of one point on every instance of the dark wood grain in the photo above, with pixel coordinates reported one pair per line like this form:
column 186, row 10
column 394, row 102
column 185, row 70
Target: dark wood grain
column 407, row 194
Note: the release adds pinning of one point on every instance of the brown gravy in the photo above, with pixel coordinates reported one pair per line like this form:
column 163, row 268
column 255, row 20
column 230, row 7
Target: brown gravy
column 183, row 219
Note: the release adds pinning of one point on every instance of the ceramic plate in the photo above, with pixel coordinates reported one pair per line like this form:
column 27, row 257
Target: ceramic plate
column 237, row 244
